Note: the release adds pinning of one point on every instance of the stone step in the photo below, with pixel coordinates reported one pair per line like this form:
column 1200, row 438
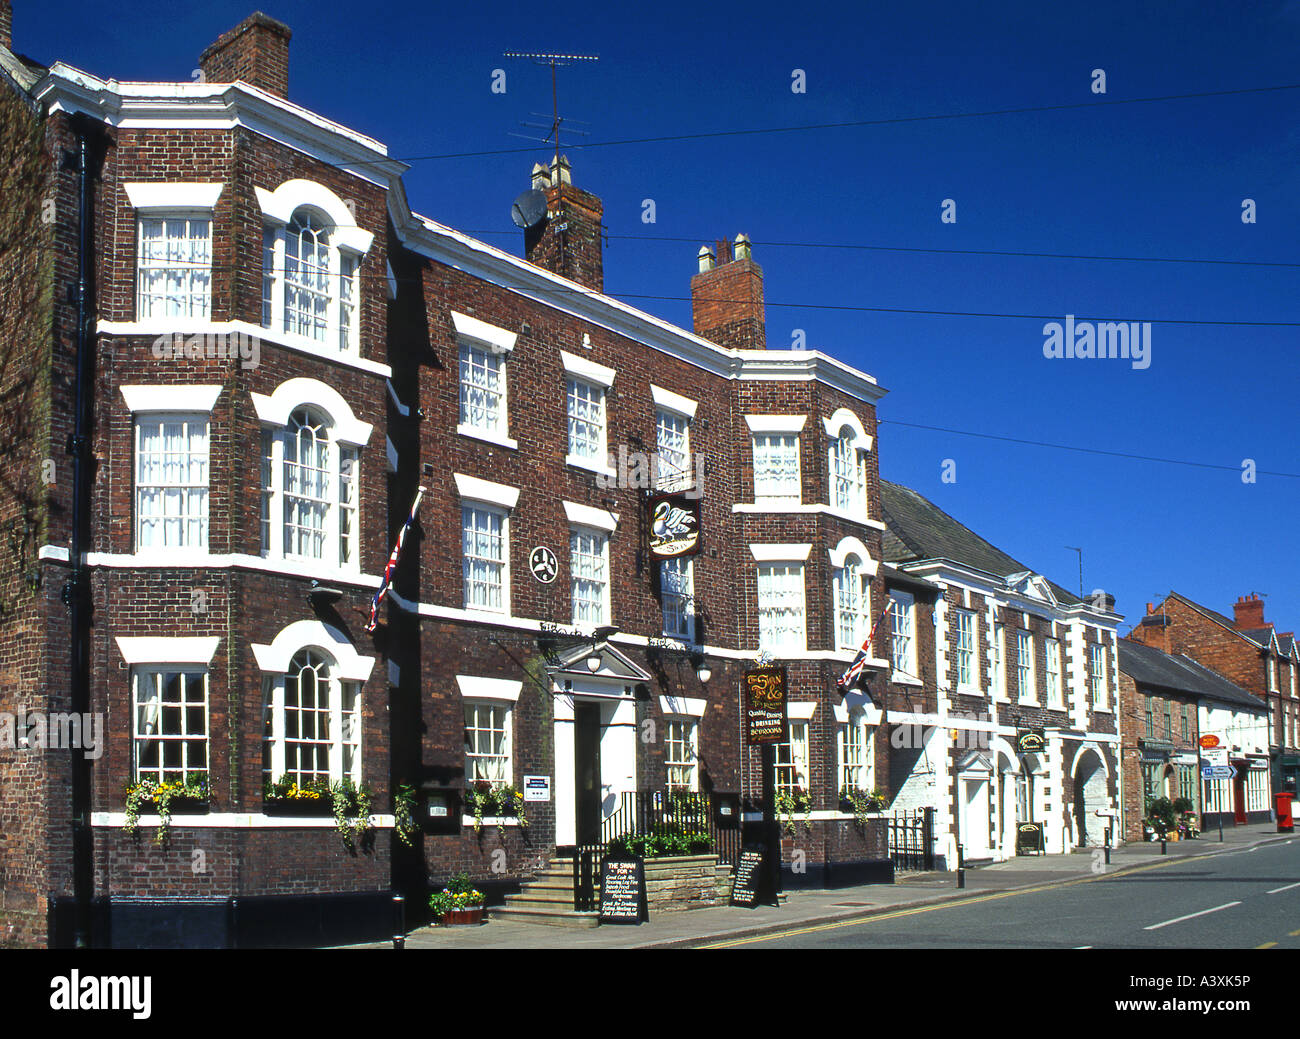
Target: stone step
column 546, row 917
column 526, row 899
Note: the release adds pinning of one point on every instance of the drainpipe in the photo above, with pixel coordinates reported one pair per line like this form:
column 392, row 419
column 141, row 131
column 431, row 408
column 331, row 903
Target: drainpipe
column 76, row 592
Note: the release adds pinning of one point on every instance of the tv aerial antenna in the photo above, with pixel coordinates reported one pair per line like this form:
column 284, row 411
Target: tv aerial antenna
column 557, row 120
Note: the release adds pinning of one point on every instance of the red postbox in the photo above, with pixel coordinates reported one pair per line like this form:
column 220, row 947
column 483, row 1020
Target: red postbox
column 1285, row 824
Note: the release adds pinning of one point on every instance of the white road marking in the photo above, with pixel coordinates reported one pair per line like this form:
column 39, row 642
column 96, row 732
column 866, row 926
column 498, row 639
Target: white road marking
column 1288, row 887
column 1083, row 946
column 1191, row 916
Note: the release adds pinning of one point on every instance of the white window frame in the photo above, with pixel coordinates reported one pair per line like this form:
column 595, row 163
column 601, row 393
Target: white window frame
column 677, row 478
column 846, row 452
column 678, row 603
column 158, row 200
column 345, row 437
column 902, row 634
column 1055, row 689
column 795, row 748
column 796, row 641
column 341, row 732
column 346, row 250
column 154, row 673
column 470, row 504
column 1025, row 677
column 854, row 617
column 1000, row 662
column 865, row 767
column 199, row 544
column 767, row 489
column 597, row 380
column 1097, row 684
column 690, row 762
column 479, row 339
column 601, row 575
column 505, row 755
column 965, row 652
column 195, row 273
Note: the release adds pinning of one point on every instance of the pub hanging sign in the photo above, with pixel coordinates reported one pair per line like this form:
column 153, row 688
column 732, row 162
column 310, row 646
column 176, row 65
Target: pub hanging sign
column 765, row 699
column 674, row 525
column 1030, row 741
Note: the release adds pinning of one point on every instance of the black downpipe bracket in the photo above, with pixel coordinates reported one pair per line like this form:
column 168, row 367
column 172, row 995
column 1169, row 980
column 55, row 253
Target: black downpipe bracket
column 76, row 593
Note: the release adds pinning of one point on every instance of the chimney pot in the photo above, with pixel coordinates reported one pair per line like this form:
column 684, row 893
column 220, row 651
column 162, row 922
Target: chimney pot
column 706, row 259
column 743, row 248
column 541, row 177
column 1248, row 613
column 565, row 174
column 256, row 51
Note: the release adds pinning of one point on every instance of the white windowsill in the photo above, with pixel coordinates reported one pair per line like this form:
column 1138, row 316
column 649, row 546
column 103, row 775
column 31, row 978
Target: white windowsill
column 591, row 465
column 236, row 821
column 491, row 820
column 487, row 436
column 160, row 326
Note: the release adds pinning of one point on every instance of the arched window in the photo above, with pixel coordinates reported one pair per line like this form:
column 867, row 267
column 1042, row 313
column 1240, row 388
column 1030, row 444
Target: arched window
column 307, row 276
column 310, row 476
column 849, row 471
column 312, row 723
column 852, row 603
column 311, row 252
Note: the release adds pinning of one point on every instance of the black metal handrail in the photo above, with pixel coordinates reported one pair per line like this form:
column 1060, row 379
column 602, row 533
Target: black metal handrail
column 653, row 814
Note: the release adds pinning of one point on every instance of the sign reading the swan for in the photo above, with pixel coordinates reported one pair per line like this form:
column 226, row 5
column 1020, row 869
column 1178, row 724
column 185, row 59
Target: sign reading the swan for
column 674, row 525
column 765, row 696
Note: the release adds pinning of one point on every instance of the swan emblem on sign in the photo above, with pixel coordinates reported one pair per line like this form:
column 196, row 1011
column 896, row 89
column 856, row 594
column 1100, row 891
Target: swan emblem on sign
column 671, row 522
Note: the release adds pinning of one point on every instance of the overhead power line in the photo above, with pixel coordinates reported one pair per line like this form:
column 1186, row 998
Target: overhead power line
column 1084, row 450
column 846, row 124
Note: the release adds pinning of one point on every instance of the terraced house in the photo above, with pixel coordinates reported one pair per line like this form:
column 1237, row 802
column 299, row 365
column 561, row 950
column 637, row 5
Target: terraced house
column 1013, row 689
column 1252, row 654
column 233, row 358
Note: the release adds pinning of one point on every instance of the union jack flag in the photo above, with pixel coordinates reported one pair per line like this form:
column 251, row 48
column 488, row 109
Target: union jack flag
column 850, row 676
column 387, row 582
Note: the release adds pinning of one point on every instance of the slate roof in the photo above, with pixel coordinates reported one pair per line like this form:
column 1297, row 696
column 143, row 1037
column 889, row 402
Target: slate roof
column 1260, row 636
column 1152, row 666
column 1286, row 643
column 916, row 528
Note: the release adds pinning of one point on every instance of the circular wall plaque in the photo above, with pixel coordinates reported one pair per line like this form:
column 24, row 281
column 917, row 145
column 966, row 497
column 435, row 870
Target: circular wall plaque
column 543, row 564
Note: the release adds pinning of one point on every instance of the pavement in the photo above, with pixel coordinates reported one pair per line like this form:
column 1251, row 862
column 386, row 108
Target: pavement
column 802, row 908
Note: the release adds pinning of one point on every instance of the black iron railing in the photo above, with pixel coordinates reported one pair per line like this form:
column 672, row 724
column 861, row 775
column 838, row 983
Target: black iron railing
column 660, row 822
column 911, row 839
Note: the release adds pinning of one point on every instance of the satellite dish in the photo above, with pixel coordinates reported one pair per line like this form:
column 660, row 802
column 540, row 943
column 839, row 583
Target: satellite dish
column 529, row 209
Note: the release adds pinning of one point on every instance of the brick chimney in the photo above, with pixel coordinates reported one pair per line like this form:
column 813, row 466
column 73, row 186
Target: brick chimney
column 6, row 25
column 1152, row 630
column 1248, row 613
column 727, row 297
column 569, row 241
column 255, row 51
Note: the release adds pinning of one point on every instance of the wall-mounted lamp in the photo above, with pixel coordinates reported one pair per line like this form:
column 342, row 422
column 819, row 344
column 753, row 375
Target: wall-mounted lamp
column 702, row 670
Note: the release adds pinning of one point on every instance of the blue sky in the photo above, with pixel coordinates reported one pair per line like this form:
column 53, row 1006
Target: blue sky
column 1160, row 179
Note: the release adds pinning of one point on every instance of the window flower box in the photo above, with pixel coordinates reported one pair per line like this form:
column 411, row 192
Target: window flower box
column 286, row 798
column 165, row 798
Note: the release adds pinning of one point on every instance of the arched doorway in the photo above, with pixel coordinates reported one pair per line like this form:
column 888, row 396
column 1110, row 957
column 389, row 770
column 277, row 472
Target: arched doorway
column 1090, row 797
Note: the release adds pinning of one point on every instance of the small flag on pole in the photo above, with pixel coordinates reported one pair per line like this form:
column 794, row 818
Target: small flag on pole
column 387, row 582
column 850, row 676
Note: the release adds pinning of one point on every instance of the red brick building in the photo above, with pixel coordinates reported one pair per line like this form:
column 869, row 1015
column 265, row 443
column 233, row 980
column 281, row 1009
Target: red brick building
column 1250, row 653
column 229, row 361
column 1165, row 700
